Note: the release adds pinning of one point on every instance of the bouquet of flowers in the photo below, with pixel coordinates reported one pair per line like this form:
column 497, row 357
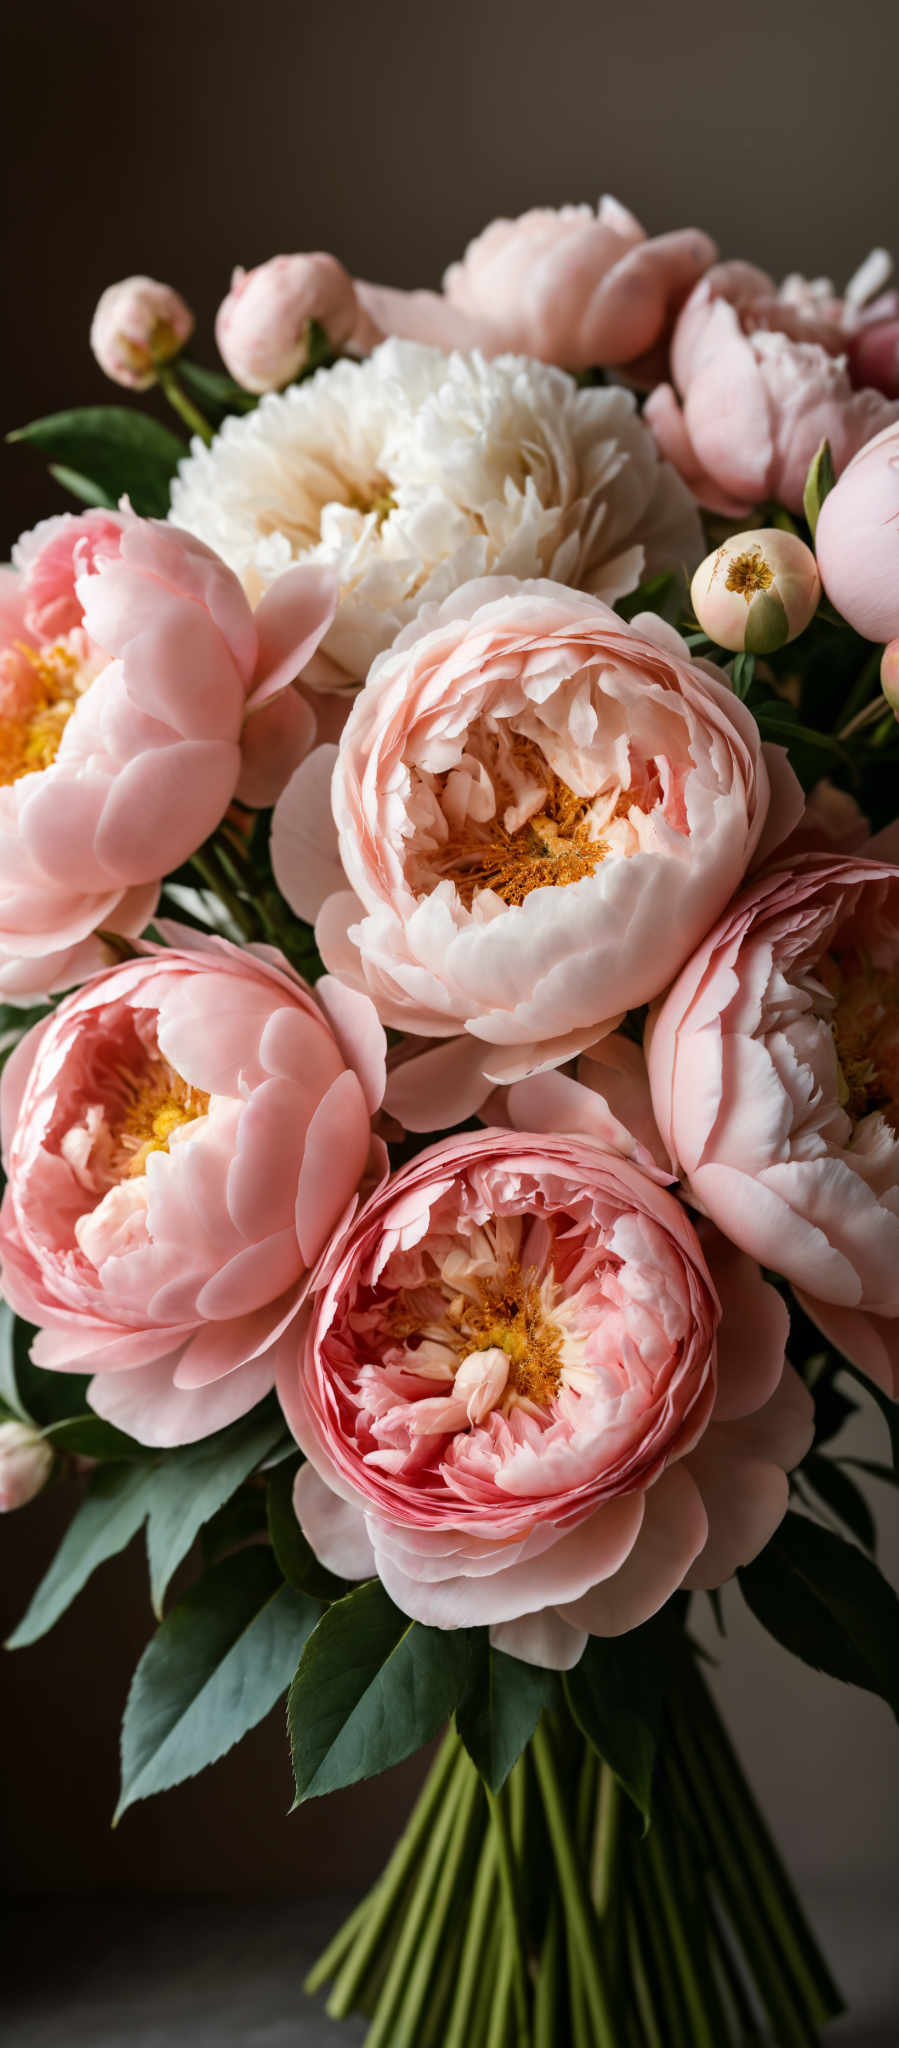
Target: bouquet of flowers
column 449, row 945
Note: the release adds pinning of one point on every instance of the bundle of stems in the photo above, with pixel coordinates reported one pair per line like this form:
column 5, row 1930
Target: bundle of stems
column 547, row 1914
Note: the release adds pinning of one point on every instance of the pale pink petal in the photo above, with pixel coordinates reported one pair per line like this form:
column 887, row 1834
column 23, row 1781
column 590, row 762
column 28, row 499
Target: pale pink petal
column 335, row 1528
column 545, row 1639
column 674, row 1529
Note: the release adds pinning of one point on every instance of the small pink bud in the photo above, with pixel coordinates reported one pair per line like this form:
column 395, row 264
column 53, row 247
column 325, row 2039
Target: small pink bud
column 262, row 327
column 889, row 675
column 26, row 1461
column 757, row 591
column 139, row 325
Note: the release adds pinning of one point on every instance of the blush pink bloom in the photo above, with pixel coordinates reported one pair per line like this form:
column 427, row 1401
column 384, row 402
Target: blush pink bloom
column 774, row 1065
column 520, row 1404
column 857, row 539
column 26, row 1462
column 138, row 694
column 262, row 327
column 756, row 387
column 138, row 325
column 534, row 814
column 566, row 285
column 180, row 1139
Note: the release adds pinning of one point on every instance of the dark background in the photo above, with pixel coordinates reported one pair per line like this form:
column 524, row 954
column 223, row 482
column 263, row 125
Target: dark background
column 180, row 141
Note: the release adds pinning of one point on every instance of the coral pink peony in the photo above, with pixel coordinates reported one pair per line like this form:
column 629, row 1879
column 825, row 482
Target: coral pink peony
column 760, row 387
column 180, row 1139
column 137, row 692
column 517, row 1405
column 139, row 324
column 566, row 285
column 857, row 539
column 539, row 812
column 774, row 1065
column 262, row 327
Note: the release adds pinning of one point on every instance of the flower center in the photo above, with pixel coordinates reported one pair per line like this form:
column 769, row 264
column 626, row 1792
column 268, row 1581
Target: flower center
column 157, row 1102
column 382, row 502
column 30, row 736
column 553, row 847
column 865, row 1026
column 749, row 573
column 508, row 1314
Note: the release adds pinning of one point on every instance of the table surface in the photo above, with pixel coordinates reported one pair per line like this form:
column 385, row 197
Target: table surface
column 203, row 1973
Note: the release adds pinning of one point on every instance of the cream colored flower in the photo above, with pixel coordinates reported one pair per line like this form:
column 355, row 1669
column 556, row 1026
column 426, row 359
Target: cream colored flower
column 415, row 472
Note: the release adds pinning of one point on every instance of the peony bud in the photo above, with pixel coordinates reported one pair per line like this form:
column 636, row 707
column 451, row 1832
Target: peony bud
column 757, row 591
column 889, row 675
column 26, row 1461
column 263, row 326
column 139, row 325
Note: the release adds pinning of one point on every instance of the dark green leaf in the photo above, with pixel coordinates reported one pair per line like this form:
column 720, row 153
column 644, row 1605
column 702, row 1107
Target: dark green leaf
column 42, row 1397
column 240, row 1521
column 219, row 1662
column 112, row 1512
column 661, row 594
column 829, row 1604
column 190, row 1484
column 215, row 394
column 372, row 1686
column 295, row 1556
column 832, row 1409
column 887, row 1473
column 500, row 1707
column 87, row 1436
column 113, row 448
column 10, row 1394
column 616, row 1694
column 834, row 1486
column 742, row 675
column 80, row 487
column 818, row 484
column 889, row 1409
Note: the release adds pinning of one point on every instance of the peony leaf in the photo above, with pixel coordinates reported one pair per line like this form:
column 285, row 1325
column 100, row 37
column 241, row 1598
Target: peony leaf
column 818, row 484
column 500, row 1707
column 215, row 1667
column 295, row 1555
column 115, row 1506
column 823, row 1599
column 372, row 1686
column 113, row 449
column 616, row 1694
column 215, row 393
column 191, row 1484
column 841, row 1495
column 87, row 1436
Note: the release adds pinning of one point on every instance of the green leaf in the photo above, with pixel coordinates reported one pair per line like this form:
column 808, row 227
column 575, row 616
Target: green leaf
column 216, row 394
column 889, row 1409
column 742, row 675
column 114, row 449
column 616, row 1694
column 372, row 1686
column 660, row 594
column 239, row 1522
column 80, row 487
column 818, row 484
column 190, row 1484
column 767, row 625
column 217, row 1665
column 111, row 1513
column 87, row 1436
column 887, row 1473
column 500, row 1707
column 829, row 1604
column 27, row 1390
column 296, row 1557
column 839, row 1493
column 10, row 1395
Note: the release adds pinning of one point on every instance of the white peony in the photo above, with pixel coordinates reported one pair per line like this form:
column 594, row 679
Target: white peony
column 415, row 472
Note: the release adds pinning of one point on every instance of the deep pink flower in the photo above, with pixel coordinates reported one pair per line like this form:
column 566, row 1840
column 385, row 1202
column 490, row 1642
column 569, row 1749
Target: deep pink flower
column 774, row 1064
column 518, row 1407
column 180, row 1138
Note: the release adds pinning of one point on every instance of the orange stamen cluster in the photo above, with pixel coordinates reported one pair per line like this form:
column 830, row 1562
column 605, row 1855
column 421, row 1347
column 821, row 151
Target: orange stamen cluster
column 29, row 740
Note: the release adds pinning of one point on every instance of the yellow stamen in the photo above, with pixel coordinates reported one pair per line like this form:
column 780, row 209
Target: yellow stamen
column 551, row 850
column 749, row 573
column 509, row 1316
column 160, row 1102
column 29, row 741
column 865, row 1026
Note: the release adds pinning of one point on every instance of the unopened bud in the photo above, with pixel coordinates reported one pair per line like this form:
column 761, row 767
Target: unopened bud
column 26, row 1462
column 757, row 591
column 138, row 326
column 264, row 326
column 889, row 675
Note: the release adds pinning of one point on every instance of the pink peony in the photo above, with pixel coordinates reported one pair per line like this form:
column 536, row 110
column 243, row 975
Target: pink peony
column 138, row 325
column 539, row 812
column 517, row 1405
column 566, row 286
column 262, row 327
column 138, row 693
column 180, row 1139
column 857, row 539
column 774, row 1065
column 26, row 1462
column 760, row 387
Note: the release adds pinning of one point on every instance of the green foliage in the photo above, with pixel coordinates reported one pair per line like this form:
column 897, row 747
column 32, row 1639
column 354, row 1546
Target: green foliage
column 823, row 1599
column 215, row 1668
column 372, row 1686
column 295, row 1556
column 818, row 484
column 616, row 1694
column 500, row 1707
column 88, row 1436
column 109, row 450
column 216, row 394
column 833, row 1486
column 43, row 1398
column 114, row 1508
column 192, row 1483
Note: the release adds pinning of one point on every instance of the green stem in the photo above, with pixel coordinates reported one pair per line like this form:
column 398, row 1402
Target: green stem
column 331, row 1957
column 502, row 2006
column 698, row 1989
column 381, row 1902
column 481, row 1919
column 605, row 1840
column 509, row 1881
column 482, row 2008
column 668, row 1995
column 581, row 1927
column 209, row 868
column 395, row 2021
column 173, row 389
column 546, row 2002
column 645, row 1997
